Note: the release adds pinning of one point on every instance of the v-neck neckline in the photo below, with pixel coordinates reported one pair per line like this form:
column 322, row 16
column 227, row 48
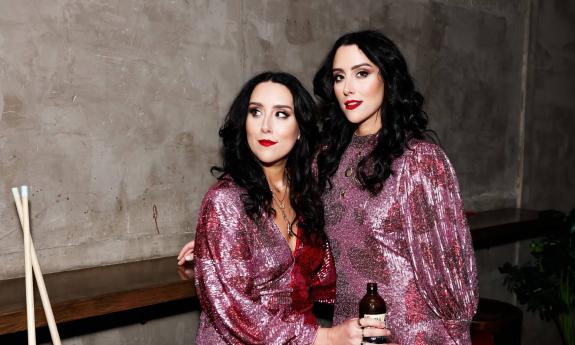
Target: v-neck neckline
column 277, row 230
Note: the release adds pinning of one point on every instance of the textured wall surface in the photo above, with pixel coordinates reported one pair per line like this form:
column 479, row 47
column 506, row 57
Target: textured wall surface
column 549, row 180
column 549, row 164
column 111, row 108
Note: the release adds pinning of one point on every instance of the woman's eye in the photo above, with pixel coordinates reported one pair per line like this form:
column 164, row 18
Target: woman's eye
column 282, row 114
column 337, row 78
column 254, row 111
column 362, row 74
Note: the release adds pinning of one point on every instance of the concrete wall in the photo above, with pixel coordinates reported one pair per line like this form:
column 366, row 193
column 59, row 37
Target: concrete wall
column 111, row 107
column 549, row 174
column 549, row 158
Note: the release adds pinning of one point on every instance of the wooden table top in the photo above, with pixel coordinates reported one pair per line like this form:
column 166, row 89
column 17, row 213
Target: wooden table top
column 506, row 225
column 84, row 293
column 95, row 291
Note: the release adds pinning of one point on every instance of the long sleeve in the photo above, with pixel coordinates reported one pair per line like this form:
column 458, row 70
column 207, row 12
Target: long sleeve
column 438, row 238
column 224, row 278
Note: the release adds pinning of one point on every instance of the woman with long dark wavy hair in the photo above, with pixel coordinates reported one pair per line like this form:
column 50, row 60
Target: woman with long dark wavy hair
column 393, row 213
column 261, row 256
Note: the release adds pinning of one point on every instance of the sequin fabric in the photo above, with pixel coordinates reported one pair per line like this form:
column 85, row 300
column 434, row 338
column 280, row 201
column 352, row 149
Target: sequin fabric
column 251, row 287
column 412, row 239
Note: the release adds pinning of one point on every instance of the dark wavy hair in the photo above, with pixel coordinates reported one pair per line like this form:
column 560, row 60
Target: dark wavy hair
column 402, row 115
column 244, row 168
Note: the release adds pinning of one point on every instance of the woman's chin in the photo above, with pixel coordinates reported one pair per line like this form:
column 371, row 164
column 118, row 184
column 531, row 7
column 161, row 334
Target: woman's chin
column 271, row 162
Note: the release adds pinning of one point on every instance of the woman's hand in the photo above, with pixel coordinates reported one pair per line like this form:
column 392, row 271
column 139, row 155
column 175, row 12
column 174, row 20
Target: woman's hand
column 351, row 332
column 186, row 254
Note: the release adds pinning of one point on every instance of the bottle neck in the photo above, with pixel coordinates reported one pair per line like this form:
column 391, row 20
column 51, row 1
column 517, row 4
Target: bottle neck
column 372, row 288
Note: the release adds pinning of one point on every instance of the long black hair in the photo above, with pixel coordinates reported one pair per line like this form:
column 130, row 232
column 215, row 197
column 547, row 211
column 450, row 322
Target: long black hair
column 245, row 169
column 402, row 115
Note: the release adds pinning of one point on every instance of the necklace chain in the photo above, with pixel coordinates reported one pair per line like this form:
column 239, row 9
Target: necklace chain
column 280, row 201
column 282, row 206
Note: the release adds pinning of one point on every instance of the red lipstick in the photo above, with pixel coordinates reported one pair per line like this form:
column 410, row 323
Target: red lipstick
column 265, row 142
column 352, row 104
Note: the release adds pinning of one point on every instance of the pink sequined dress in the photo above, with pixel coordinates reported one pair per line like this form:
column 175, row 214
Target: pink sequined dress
column 412, row 239
column 251, row 287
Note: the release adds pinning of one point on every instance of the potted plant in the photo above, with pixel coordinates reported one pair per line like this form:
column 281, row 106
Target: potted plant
column 546, row 284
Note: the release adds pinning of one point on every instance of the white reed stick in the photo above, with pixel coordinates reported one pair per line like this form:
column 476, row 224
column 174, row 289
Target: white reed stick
column 28, row 269
column 39, row 278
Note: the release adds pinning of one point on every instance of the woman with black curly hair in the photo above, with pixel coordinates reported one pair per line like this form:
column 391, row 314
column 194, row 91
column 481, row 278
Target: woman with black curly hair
column 261, row 256
column 393, row 213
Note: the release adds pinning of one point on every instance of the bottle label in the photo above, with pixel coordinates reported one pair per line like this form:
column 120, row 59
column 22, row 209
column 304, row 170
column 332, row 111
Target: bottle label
column 378, row 317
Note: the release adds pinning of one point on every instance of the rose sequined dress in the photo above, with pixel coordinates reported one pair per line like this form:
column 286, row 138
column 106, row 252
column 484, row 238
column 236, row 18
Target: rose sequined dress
column 251, row 288
column 411, row 238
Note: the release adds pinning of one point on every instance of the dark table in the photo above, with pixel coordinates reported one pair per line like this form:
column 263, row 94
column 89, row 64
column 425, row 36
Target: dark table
column 507, row 225
column 90, row 292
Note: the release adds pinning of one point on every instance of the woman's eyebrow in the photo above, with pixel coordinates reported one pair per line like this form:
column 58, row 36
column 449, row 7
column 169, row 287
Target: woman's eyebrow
column 281, row 106
column 364, row 64
column 277, row 106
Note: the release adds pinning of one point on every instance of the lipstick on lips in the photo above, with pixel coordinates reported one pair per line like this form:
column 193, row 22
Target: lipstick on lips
column 266, row 142
column 352, row 104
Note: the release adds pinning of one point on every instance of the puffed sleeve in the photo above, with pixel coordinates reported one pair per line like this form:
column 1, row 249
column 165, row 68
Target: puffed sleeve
column 323, row 283
column 224, row 280
column 438, row 238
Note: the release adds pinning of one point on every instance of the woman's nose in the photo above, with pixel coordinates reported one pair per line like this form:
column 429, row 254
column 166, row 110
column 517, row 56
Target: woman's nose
column 348, row 87
column 266, row 124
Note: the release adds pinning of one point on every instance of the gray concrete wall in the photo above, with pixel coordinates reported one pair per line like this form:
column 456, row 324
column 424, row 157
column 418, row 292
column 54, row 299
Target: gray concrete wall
column 549, row 179
column 549, row 157
column 111, row 107
column 170, row 330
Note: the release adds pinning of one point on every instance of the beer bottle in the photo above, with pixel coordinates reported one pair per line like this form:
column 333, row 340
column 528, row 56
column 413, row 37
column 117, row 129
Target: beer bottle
column 373, row 306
